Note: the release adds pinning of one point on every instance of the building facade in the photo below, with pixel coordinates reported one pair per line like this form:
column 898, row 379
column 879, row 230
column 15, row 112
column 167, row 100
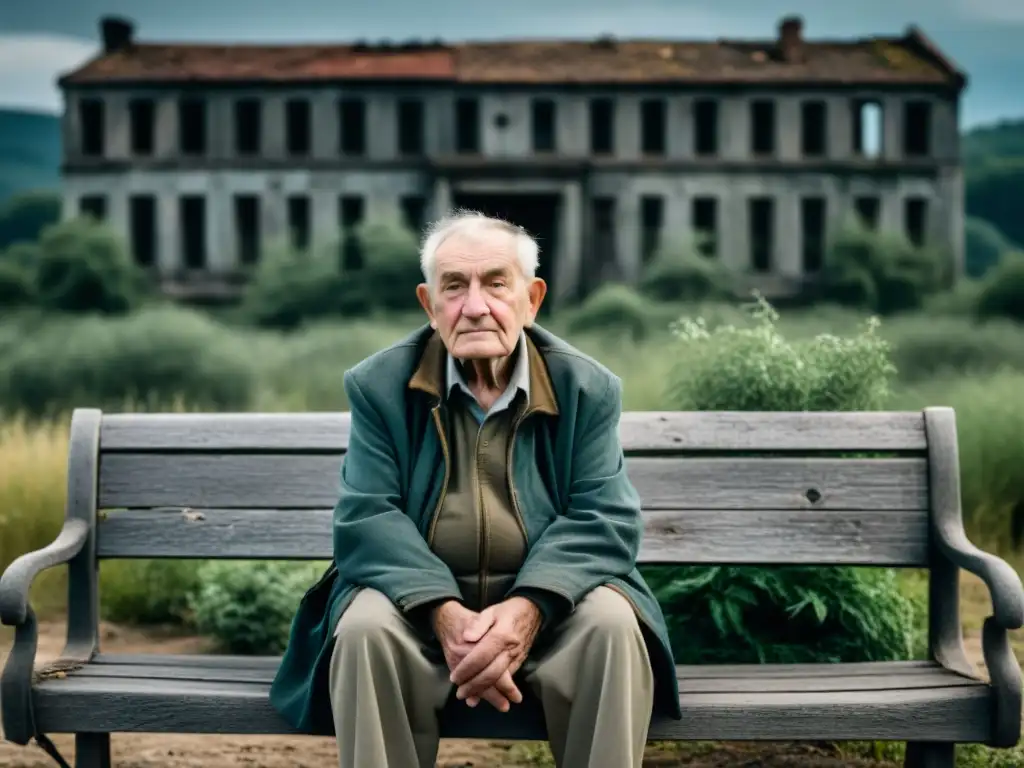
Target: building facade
column 202, row 155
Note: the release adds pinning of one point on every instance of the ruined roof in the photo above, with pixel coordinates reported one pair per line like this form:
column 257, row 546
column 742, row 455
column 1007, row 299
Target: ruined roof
column 911, row 59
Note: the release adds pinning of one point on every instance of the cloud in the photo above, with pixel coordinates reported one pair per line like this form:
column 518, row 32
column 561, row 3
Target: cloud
column 999, row 11
column 30, row 65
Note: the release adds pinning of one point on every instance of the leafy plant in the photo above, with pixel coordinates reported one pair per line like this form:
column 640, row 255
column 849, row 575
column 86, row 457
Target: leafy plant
column 744, row 614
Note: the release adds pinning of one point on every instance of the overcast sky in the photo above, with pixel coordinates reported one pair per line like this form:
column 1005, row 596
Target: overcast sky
column 41, row 38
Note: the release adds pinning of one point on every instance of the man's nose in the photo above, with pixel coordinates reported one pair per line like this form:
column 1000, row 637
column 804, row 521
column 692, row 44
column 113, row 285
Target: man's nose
column 475, row 305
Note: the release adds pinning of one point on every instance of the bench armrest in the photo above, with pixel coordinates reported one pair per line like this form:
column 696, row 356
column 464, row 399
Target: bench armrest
column 1003, row 582
column 18, row 578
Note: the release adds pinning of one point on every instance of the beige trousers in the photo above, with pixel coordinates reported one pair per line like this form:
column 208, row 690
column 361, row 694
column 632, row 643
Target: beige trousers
column 594, row 679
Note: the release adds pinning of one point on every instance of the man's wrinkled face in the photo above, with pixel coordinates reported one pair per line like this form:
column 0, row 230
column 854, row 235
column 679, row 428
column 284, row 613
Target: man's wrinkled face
column 480, row 299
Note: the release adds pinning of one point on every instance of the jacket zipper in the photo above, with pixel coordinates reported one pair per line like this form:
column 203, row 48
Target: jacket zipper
column 511, row 481
column 483, row 548
column 435, row 412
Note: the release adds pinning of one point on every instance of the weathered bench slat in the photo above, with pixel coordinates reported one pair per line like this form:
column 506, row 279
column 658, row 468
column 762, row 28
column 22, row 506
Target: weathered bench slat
column 640, row 430
column 218, row 661
column 283, row 481
column 871, row 537
column 750, row 682
column 959, row 713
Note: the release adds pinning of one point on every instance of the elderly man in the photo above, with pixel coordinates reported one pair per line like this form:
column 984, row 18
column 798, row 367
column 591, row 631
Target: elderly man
column 486, row 533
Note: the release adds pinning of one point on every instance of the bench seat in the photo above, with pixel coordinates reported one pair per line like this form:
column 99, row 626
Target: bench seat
column 229, row 694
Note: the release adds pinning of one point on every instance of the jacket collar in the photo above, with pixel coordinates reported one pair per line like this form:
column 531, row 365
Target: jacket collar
column 430, row 376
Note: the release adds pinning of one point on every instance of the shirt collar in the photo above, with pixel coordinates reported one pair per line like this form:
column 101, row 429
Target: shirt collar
column 520, row 378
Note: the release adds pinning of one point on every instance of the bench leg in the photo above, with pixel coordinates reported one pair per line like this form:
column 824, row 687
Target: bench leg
column 923, row 754
column 92, row 750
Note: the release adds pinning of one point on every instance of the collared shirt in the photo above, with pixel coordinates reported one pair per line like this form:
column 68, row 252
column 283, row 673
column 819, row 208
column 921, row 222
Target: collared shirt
column 520, row 380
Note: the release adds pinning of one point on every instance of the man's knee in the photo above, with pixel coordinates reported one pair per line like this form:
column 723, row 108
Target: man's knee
column 370, row 618
column 606, row 614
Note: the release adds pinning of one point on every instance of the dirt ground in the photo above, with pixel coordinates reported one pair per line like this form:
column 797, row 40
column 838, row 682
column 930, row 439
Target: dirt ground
column 191, row 751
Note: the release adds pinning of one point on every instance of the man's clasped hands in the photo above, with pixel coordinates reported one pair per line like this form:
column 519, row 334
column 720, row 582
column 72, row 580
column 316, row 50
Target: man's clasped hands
column 484, row 650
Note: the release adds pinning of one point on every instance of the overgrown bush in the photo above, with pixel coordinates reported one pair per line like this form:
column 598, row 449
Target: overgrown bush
column 984, row 246
column 680, row 272
column 147, row 591
column 792, row 614
column 23, row 217
column 612, row 309
column 84, row 267
column 1002, row 294
column 248, row 607
column 157, row 358
column 881, row 272
column 290, row 289
column 391, row 264
column 924, row 347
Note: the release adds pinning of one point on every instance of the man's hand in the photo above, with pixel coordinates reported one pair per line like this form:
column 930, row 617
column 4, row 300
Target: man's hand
column 458, row 629
column 500, row 639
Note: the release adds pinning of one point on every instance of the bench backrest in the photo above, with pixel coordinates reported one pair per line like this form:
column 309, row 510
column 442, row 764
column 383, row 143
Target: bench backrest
column 784, row 488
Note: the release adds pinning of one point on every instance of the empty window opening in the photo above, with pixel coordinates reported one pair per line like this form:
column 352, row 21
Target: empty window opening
column 705, row 127
column 543, row 125
column 193, row 231
column 414, row 208
column 812, row 233
column 350, row 216
column 652, row 126
column 602, row 128
column 867, row 208
column 298, row 127
column 704, row 217
column 867, row 128
column 298, row 222
column 761, row 233
column 352, row 119
column 762, row 127
column 915, row 216
column 813, row 128
column 142, row 125
column 192, row 126
column 467, row 125
column 247, row 229
column 917, row 128
column 92, row 118
column 652, row 214
column 603, row 211
column 142, row 221
column 248, row 126
column 410, row 127
column 93, row 206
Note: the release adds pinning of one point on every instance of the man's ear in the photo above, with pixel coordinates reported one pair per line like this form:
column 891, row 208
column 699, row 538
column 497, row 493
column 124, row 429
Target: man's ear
column 423, row 294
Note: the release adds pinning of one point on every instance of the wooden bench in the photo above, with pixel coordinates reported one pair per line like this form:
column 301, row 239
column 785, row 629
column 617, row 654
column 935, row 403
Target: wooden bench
column 717, row 488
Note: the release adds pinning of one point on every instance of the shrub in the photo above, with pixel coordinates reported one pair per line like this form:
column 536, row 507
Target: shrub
column 248, row 607
column 679, row 272
column 923, row 347
column 614, row 308
column 753, row 368
column 84, row 267
column 23, row 217
column 159, row 358
column 391, row 264
column 743, row 614
column 1002, row 294
column 290, row 289
column 881, row 272
column 984, row 246
column 147, row 591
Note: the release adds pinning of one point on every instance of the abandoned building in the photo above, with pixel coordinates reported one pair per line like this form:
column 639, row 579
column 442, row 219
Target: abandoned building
column 202, row 155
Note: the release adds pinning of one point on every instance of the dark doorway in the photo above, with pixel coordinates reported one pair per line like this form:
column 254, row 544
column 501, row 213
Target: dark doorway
column 537, row 214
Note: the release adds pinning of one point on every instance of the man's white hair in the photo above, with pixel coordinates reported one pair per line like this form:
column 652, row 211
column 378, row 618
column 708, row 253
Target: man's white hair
column 472, row 222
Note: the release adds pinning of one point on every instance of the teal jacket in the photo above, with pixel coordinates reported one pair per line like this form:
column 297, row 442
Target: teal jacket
column 580, row 511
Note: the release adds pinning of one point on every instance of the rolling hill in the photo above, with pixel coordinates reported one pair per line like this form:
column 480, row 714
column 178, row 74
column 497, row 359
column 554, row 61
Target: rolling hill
column 29, row 152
